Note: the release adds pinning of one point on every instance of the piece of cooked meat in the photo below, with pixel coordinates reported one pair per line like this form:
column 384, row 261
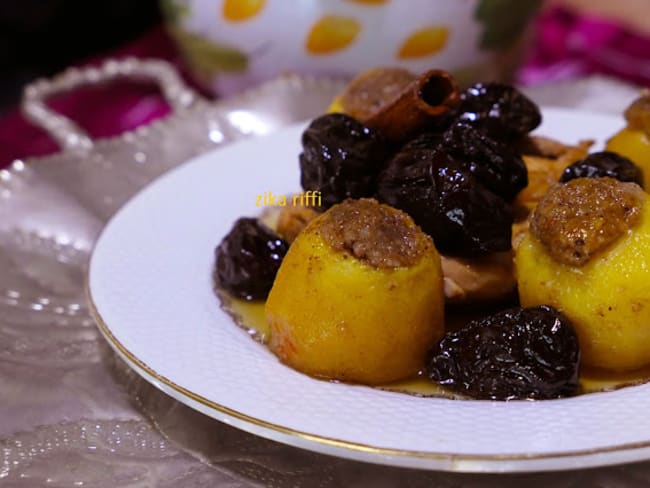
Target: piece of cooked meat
column 478, row 280
column 545, row 160
column 291, row 220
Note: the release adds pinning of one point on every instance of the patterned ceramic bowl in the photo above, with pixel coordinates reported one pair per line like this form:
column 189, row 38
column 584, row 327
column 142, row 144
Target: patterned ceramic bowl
column 231, row 44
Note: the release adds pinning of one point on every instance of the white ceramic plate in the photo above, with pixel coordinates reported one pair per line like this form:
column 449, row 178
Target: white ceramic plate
column 151, row 287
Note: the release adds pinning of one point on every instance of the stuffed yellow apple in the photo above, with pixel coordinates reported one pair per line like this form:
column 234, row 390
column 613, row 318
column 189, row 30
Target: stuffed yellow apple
column 358, row 297
column 587, row 253
column 633, row 141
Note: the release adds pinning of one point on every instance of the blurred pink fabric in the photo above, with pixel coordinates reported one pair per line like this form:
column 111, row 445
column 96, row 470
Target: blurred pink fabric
column 567, row 46
column 102, row 111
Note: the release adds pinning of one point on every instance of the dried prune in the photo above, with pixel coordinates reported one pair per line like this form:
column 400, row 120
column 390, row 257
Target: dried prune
column 407, row 182
column 500, row 110
column 494, row 163
column 426, row 141
column 341, row 158
column 472, row 221
column 248, row 259
column 514, row 354
column 601, row 164
column 446, row 200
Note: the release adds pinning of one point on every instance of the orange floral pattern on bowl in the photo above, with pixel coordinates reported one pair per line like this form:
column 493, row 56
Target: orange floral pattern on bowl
column 237, row 43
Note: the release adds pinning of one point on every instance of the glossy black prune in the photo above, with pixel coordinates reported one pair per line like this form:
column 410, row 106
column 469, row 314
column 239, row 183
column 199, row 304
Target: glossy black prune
column 494, row 163
column 472, row 221
column 519, row 353
column 424, row 141
column 446, row 200
column 602, row 164
column 341, row 158
column 500, row 110
column 407, row 182
column 248, row 259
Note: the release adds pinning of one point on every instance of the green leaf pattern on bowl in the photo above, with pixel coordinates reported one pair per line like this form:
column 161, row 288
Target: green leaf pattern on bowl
column 504, row 20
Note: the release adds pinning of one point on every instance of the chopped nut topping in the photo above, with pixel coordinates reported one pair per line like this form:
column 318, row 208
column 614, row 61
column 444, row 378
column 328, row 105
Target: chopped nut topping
column 377, row 234
column 577, row 220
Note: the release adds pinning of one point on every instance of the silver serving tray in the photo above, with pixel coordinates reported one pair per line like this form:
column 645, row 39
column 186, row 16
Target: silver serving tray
column 71, row 412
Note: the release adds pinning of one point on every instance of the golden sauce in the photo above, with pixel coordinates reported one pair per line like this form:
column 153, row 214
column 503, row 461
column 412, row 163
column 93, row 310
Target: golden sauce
column 250, row 317
column 593, row 380
column 247, row 315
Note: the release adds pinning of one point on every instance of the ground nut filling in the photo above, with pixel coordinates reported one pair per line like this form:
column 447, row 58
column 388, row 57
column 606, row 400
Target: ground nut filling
column 577, row 220
column 379, row 235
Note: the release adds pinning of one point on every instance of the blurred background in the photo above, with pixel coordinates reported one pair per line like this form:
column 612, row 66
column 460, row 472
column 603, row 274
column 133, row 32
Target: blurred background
column 42, row 37
column 224, row 46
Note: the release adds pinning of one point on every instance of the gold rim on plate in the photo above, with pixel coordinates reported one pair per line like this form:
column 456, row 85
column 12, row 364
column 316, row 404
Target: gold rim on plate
column 457, row 460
